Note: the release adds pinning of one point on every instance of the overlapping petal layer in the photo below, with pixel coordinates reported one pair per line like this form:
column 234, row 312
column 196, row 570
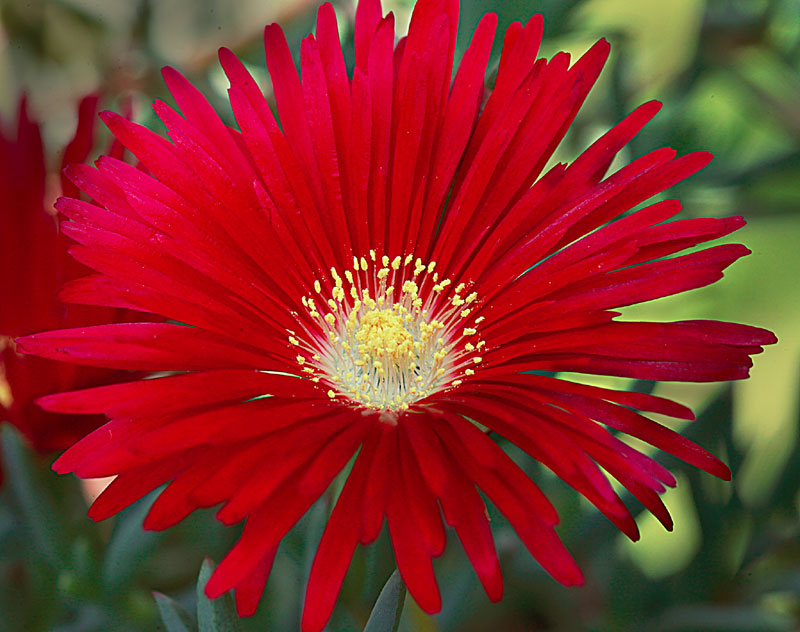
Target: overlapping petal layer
column 35, row 263
column 243, row 236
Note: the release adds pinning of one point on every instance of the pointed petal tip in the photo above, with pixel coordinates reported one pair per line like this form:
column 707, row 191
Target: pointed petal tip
column 25, row 344
column 703, row 158
column 272, row 29
column 111, row 118
column 575, row 577
column 59, row 466
column 172, row 75
column 214, row 586
column 48, row 403
column 602, row 47
column 431, row 604
column 493, row 586
column 246, row 608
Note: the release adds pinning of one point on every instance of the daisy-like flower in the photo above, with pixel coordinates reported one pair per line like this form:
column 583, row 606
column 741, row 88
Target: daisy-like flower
column 34, row 262
column 367, row 281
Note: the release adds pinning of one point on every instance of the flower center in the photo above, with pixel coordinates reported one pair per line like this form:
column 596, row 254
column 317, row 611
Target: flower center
column 389, row 333
column 382, row 333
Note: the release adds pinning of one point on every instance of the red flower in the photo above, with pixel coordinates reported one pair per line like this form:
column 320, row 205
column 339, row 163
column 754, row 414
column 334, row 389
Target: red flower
column 35, row 263
column 368, row 278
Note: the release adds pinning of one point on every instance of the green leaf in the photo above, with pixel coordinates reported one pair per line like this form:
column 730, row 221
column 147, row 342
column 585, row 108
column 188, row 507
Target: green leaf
column 173, row 614
column 130, row 545
column 37, row 508
column 385, row 616
column 214, row 615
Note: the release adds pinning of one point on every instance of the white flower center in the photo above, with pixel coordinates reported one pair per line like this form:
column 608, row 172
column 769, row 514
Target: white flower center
column 389, row 334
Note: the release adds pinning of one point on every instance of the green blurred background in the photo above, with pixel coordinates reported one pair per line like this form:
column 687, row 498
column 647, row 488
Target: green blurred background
column 728, row 73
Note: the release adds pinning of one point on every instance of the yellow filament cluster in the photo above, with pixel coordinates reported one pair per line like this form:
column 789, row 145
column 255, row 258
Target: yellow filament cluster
column 389, row 332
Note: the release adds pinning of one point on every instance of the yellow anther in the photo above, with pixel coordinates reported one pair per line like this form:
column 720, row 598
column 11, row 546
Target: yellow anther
column 481, row 344
column 409, row 287
column 313, row 313
column 479, row 320
column 304, row 301
column 382, row 332
column 477, row 359
column 391, row 345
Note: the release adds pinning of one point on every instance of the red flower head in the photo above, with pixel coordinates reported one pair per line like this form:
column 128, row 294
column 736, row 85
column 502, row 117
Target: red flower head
column 35, row 263
column 370, row 277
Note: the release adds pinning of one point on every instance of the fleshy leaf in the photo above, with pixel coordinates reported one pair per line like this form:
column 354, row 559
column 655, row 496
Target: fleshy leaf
column 37, row 507
column 130, row 545
column 214, row 615
column 385, row 616
column 173, row 614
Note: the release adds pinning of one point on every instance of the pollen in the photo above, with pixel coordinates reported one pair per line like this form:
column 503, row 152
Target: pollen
column 385, row 334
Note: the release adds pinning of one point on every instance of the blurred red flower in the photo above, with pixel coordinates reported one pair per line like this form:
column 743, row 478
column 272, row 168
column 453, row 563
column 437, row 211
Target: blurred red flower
column 35, row 263
column 371, row 277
